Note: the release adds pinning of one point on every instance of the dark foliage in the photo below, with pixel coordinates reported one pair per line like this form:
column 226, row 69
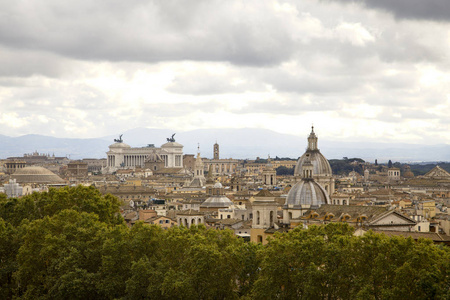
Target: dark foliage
column 346, row 165
column 281, row 170
column 70, row 244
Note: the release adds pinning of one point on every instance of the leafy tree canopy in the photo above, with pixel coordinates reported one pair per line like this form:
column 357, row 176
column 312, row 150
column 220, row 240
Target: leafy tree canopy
column 77, row 249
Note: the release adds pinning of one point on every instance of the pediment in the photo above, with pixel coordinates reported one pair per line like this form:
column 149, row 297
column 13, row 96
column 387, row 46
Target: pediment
column 392, row 218
column 437, row 172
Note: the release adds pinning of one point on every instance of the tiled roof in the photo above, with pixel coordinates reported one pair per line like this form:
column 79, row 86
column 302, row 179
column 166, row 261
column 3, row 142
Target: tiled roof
column 264, row 193
column 417, row 235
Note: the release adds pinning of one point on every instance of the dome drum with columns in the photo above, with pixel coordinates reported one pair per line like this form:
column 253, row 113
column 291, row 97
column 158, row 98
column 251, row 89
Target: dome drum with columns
column 305, row 194
column 216, row 199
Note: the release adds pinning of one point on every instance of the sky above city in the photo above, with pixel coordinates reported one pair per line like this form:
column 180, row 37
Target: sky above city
column 367, row 70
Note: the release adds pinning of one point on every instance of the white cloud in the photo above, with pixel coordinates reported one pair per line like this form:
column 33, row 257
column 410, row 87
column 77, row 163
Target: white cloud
column 95, row 68
column 356, row 34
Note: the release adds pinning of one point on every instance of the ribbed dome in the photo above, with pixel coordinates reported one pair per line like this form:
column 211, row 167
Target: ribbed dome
column 36, row 175
column 321, row 166
column 217, row 198
column 217, row 201
column 307, row 192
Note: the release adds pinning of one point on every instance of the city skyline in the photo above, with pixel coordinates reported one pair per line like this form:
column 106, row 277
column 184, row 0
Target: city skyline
column 358, row 70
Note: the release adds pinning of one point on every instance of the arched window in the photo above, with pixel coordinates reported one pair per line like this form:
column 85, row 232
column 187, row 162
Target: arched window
column 257, row 217
column 271, row 217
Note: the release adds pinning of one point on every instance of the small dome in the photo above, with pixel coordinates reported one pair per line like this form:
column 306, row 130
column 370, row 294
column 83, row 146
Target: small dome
column 307, row 192
column 36, row 175
column 218, row 185
column 217, row 201
column 119, row 145
column 407, row 173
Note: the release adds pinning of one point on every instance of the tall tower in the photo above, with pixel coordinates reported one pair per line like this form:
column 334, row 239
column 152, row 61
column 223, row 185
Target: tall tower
column 199, row 178
column 216, row 151
column 269, row 174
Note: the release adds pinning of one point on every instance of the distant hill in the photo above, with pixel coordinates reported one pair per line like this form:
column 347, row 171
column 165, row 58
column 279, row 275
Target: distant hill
column 235, row 143
column 73, row 148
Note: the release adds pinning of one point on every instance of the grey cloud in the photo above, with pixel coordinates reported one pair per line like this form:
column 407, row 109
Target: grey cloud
column 402, row 114
column 31, row 97
column 24, row 63
column 149, row 31
column 290, row 105
column 182, row 109
column 310, row 83
column 434, row 10
column 206, row 83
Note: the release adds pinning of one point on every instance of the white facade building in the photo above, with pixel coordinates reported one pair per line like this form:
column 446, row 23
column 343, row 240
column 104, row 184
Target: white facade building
column 123, row 156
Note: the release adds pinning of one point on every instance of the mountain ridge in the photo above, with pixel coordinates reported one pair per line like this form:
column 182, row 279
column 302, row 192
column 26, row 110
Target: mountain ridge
column 234, row 143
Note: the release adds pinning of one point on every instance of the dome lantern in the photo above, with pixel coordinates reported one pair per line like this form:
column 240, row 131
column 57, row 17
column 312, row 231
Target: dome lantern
column 312, row 140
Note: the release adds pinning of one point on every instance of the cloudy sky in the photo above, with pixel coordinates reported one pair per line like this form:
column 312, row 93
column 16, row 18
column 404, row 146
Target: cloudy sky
column 368, row 70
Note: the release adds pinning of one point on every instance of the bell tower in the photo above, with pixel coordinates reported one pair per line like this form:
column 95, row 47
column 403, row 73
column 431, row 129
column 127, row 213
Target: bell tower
column 216, row 151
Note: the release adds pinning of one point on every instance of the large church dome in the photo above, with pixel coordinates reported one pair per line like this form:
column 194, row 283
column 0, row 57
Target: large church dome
column 36, row 175
column 321, row 166
column 306, row 193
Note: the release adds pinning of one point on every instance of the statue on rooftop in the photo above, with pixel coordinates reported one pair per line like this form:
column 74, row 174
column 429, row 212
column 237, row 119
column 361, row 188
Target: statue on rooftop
column 171, row 139
column 119, row 140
